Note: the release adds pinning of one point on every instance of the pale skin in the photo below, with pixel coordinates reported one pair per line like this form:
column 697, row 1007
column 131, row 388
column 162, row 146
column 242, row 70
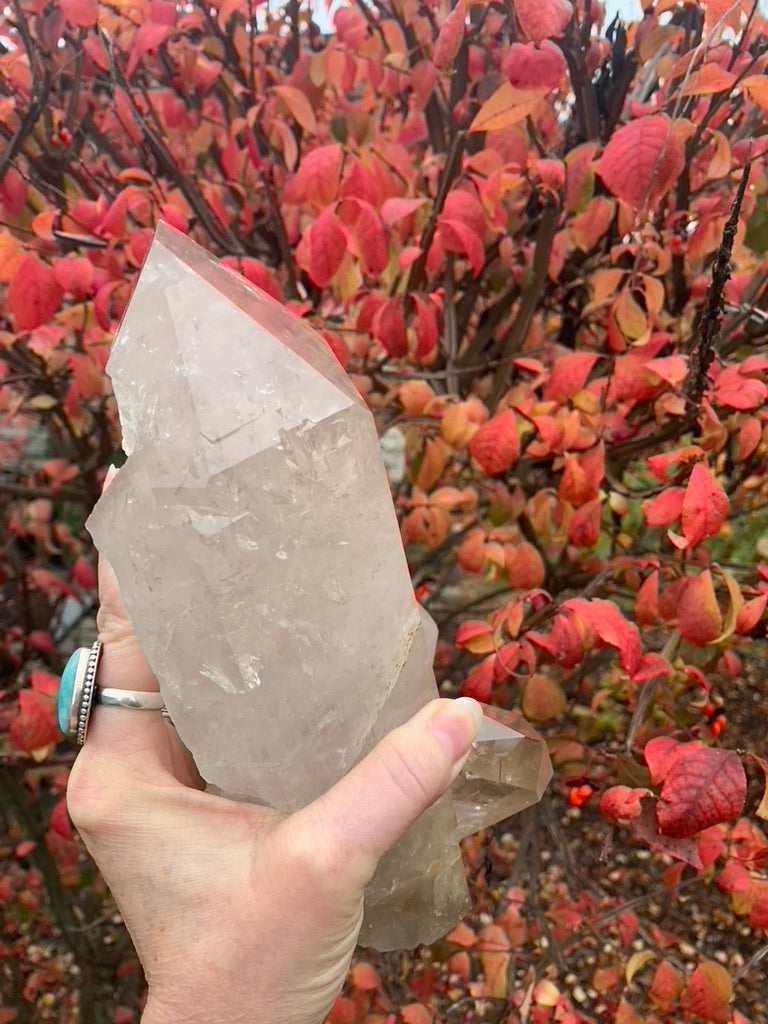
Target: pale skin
column 241, row 914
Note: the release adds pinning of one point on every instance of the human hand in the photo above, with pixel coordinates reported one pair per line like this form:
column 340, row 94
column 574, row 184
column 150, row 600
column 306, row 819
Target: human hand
column 239, row 913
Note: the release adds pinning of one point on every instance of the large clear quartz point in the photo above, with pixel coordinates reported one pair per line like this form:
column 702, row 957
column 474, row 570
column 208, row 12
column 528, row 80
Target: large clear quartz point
column 258, row 554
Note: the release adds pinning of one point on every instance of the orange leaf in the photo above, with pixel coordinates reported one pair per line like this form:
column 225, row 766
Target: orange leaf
column 542, row 19
column 705, row 505
column 582, row 475
column 475, row 637
column 646, row 606
column 508, row 106
column 33, row 293
column 708, row 79
column 541, row 699
column 362, row 976
column 524, row 566
column 708, row 993
column 757, row 90
column 496, row 445
column 415, row 1013
column 666, row 986
column 11, row 255
column 643, row 159
column 298, row 106
column 698, row 613
column 750, row 613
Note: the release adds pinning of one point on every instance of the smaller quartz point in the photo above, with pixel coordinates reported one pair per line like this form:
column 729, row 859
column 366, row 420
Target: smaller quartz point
column 507, row 770
column 259, row 558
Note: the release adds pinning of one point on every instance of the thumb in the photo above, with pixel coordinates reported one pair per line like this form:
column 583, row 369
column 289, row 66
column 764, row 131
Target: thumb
column 372, row 806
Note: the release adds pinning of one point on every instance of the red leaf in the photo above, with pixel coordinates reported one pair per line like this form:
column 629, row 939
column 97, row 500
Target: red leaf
column 659, row 464
column 698, row 614
column 147, row 37
column 426, row 327
column 80, row 13
column 388, row 327
column 459, row 238
column 708, row 993
column 705, row 505
column 620, row 803
column 643, row 159
column 449, row 37
column 702, row 786
column 542, row 19
column 33, row 294
column 568, row 375
column 367, row 231
column 665, row 507
column 582, row 475
column 748, row 438
column 612, row 628
column 43, row 682
column 646, row 607
column 562, row 642
column 685, row 850
column 659, row 753
column 35, row 725
column 75, row 275
column 13, row 192
column 327, row 245
column 496, row 445
column 479, row 680
column 317, row 178
column 82, row 572
column 584, row 524
column 530, row 66
column 461, row 205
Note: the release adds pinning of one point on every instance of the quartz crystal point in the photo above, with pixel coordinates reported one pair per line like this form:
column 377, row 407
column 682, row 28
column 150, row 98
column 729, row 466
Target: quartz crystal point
column 258, row 554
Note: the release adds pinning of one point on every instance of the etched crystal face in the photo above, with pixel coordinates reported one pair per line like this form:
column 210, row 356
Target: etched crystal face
column 259, row 557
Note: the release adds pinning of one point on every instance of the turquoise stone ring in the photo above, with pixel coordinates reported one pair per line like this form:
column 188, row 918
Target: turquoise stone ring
column 78, row 693
column 75, row 694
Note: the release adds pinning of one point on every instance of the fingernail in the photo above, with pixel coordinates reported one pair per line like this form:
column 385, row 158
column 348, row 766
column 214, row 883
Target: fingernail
column 455, row 725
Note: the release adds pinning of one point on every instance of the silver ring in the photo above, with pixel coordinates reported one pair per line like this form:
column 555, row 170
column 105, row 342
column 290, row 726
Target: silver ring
column 138, row 700
column 78, row 692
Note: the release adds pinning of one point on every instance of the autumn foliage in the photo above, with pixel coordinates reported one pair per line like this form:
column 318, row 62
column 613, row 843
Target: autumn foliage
column 536, row 241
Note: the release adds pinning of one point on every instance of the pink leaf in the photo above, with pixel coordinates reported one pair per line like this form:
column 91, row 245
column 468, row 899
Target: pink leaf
column 542, row 19
column 643, row 159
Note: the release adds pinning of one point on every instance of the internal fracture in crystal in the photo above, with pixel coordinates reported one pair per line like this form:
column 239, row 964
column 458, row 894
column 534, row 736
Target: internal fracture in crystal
column 258, row 554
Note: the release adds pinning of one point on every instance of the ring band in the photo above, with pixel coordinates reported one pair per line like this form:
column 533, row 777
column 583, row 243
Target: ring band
column 78, row 692
column 138, row 700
